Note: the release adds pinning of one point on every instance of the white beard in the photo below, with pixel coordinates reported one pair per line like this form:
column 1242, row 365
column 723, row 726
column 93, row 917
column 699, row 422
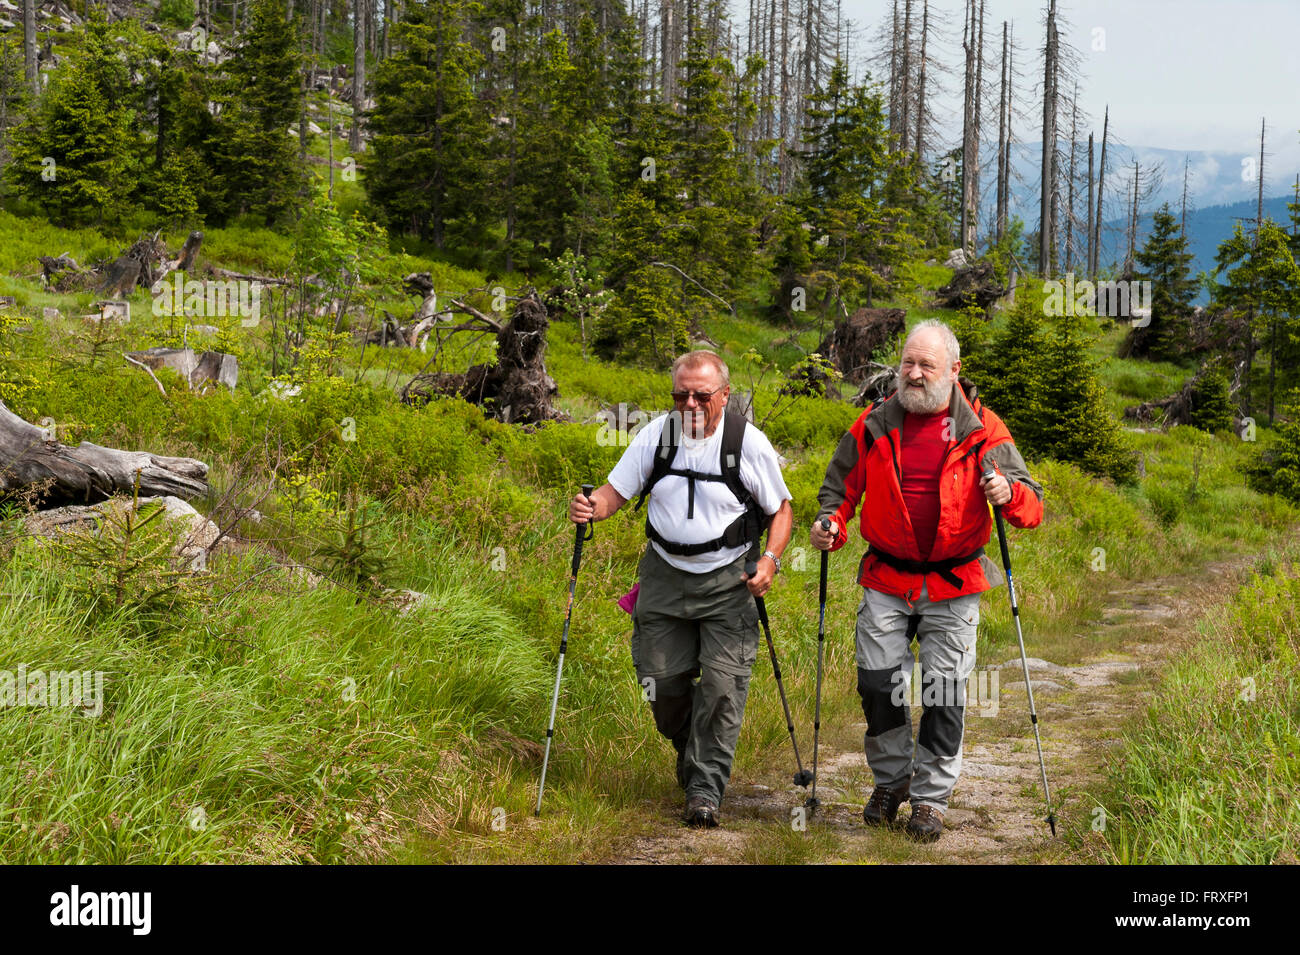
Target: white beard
column 930, row 400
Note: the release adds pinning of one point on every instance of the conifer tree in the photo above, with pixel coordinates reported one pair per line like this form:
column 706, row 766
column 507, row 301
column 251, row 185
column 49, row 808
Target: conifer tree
column 79, row 152
column 256, row 161
column 1164, row 262
column 1010, row 375
column 858, row 197
column 1264, row 281
column 14, row 92
column 1212, row 409
column 1077, row 426
column 426, row 169
column 719, row 196
column 1276, row 468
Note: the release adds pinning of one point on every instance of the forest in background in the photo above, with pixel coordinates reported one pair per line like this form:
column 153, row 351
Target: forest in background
column 415, row 192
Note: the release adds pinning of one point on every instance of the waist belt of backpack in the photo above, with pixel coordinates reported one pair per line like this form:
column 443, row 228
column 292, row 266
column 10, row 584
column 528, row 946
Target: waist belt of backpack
column 944, row 568
column 743, row 530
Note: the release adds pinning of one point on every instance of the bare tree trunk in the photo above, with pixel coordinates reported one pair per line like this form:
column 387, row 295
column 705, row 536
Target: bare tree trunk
column 970, row 133
column 920, row 85
column 1069, row 176
column 1182, row 227
column 29, row 44
column 904, row 98
column 1095, row 265
column 1259, row 178
column 666, row 53
column 358, row 72
column 1000, row 220
column 1087, row 226
column 1132, row 219
column 894, row 79
column 302, row 99
column 782, row 153
column 1047, row 228
column 975, row 133
column 771, row 69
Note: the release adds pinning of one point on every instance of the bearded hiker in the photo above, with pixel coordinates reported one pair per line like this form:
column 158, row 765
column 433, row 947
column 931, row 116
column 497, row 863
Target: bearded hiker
column 914, row 461
column 716, row 484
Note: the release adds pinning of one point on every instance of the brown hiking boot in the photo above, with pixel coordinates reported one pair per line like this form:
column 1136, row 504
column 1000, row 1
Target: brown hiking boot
column 926, row 823
column 882, row 807
column 701, row 812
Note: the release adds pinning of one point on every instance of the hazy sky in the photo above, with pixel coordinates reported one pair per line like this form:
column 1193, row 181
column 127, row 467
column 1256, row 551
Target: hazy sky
column 1177, row 74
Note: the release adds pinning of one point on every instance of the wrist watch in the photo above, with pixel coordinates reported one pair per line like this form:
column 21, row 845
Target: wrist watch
column 774, row 559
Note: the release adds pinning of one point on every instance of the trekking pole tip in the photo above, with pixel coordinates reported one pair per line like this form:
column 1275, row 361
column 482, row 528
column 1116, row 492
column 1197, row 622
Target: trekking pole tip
column 811, row 804
column 1051, row 821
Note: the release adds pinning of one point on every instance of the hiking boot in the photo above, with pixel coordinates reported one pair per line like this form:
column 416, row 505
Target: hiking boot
column 882, row 807
column 701, row 812
column 926, row 823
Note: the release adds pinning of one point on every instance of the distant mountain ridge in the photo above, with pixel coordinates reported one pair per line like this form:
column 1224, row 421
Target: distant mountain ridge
column 1218, row 196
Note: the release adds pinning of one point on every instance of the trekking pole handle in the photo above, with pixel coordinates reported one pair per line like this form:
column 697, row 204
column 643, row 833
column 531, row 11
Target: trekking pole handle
column 821, row 594
column 1002, row 530
column 751, row 568
column 585, row 532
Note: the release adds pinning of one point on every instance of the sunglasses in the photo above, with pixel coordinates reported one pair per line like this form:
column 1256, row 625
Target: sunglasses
column 701, row 397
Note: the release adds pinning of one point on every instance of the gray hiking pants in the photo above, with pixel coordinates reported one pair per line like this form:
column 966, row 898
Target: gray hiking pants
column 945, row 632
column 694, row 641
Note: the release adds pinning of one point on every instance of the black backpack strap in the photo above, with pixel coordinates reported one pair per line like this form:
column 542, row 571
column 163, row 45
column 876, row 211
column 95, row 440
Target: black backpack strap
column 749, row 527
column 746, row 529
column 733, row 438
column 664, row 456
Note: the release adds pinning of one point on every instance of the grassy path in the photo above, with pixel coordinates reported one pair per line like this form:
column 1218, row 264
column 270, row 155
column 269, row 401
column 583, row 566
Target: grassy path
column 997, row 811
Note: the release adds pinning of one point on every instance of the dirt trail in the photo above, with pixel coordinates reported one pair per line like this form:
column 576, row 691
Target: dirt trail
column 997, row 813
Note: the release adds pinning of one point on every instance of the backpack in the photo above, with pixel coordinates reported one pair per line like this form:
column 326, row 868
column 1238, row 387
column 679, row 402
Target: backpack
column 746, row 529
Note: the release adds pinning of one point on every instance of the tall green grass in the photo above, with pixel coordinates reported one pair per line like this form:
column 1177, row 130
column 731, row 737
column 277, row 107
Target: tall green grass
column 1210, row 776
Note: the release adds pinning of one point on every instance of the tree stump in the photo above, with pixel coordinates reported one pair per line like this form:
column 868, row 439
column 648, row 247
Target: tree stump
column 852, row 344
column 517, row 388
column 973, row 285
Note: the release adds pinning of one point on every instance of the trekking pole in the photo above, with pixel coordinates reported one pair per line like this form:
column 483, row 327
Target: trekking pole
column 811, row 803
column 585, row 532
column 1024, row 662
column 802, row 777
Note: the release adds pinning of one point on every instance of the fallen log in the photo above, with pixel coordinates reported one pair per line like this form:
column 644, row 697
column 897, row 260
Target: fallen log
column 246, row 276
column 32, row 459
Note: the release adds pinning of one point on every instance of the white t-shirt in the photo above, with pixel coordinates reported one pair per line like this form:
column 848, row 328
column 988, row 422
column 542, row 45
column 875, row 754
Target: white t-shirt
column 716, row 508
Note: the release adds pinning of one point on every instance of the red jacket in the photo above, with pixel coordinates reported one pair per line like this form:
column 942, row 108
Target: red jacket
column 867, row 460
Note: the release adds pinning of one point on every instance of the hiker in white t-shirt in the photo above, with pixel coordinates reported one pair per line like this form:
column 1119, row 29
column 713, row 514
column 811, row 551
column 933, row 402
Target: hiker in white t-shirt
column 694, row 622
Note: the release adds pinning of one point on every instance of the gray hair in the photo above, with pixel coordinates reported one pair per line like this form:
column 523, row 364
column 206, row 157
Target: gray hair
column 702, row 356
column 950, row 343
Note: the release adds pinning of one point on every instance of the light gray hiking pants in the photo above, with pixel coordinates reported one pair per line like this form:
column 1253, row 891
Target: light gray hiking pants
column 686, row 626
column 945, row 632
